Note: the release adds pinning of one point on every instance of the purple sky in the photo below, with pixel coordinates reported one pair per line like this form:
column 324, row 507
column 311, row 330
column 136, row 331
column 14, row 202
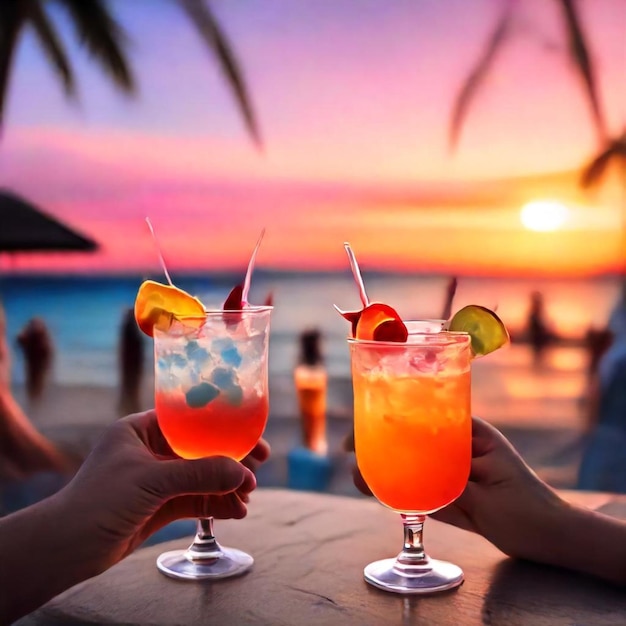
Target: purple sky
column 348, row 92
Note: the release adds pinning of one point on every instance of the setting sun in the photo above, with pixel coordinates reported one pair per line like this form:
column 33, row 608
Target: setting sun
column 544, row 215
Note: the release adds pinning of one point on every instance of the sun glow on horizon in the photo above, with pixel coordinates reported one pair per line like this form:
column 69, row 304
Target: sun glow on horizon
column 544, row 215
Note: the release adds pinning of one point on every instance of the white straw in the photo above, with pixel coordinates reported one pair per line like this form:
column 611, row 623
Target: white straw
column 246, row 282
column 356, row 272
column 156, row 243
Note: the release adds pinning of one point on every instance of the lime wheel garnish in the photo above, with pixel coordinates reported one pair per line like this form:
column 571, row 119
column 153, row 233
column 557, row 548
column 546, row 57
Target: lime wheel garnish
column 485, row 328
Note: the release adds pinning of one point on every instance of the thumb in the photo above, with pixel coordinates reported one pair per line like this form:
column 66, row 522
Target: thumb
column 212, row 475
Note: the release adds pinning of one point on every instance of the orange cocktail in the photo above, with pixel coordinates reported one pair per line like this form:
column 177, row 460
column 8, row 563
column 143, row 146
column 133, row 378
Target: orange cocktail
column 412, row 420
column 413, row 440
column 412, row 435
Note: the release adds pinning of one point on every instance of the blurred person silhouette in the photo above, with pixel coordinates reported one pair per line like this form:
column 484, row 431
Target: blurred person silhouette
column 309, row 467
column 537, row 328
column 24, row 451
column 36, row 345
column 131, row 364
column 311, row 381
column 603, row 465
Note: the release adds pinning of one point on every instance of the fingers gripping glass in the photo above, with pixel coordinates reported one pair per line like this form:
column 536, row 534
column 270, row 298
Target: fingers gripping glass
column 211, row 399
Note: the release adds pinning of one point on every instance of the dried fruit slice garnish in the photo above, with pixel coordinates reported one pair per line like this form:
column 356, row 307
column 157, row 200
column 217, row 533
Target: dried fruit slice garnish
column 157, row 305
column 485, row 328
column 380, row 322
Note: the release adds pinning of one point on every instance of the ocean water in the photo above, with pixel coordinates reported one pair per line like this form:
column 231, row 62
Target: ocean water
column 84, row 315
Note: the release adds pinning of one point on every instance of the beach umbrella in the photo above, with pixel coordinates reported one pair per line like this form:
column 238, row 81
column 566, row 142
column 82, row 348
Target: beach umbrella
column 26, row 228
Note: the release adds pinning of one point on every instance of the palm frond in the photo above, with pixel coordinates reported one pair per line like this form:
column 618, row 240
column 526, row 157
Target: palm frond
column 52, row 46
column 211, row 33
column 477, row 76
column 594, row 171
column 104, row 37
column 11, row 22
column 579, row 51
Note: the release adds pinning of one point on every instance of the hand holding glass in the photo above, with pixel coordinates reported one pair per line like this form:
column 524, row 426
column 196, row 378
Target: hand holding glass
column 211, row 399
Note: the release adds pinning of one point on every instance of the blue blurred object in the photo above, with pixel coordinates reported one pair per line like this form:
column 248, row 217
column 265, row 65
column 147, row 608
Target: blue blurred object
column 308, row 471
column 603, row 465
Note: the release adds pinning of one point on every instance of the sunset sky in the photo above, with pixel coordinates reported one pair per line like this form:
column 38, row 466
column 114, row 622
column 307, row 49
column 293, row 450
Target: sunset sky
column 353, row 99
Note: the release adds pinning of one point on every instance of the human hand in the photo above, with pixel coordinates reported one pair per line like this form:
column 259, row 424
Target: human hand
column 132, row 484
column 504, row 500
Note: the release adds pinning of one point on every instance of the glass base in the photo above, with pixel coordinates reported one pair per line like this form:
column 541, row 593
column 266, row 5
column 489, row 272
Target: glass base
column 427, row 577
column 231, row 562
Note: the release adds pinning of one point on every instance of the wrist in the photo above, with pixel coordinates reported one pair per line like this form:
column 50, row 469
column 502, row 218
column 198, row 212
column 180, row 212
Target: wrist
column 542, row 538
column 47, row 546
column 582, row 540
column 593, row 543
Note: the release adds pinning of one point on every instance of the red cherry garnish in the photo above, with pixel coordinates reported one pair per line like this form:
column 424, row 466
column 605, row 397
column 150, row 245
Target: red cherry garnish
column 380, row 322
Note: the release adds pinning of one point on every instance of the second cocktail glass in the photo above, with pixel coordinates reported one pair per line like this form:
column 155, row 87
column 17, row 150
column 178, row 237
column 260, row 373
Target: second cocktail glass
column 412, row 430
column 211, row 398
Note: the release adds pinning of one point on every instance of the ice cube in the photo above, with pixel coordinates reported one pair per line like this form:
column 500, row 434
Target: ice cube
column 172, row 369
column 234, row 394
column 171, row 360
column 200, row 395
column 427, row 362
column 227, row 350
column 223, row 377
column 196, row 353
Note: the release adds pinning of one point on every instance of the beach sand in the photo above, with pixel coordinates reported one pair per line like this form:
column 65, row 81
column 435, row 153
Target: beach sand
column 546, row 432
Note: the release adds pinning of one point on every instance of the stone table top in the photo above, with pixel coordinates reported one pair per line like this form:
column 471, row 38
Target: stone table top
column 310, row 550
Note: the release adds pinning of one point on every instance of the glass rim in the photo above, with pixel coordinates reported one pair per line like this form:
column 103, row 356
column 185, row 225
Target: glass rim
column 447, row 338
column 254, row 309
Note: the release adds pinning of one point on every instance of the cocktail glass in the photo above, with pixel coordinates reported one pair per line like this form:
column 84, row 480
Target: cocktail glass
column 412, row 429
column 211, row 399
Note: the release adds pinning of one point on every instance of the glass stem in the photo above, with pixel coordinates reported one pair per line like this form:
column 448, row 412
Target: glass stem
column 413, row 551
column 204, row 545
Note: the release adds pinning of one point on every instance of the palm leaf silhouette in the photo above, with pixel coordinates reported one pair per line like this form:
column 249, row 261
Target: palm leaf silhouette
column 614, row 151
column 53, row 47
column 211, row 33
column 579, row 54
column 94, row 25
column 579, row 51
column 478, row 74
column 104, row 37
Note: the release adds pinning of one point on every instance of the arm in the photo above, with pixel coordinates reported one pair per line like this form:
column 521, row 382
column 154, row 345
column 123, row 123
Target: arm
column 131, row 485
column 45, row 550
column 510, row 506
column 590, row 543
